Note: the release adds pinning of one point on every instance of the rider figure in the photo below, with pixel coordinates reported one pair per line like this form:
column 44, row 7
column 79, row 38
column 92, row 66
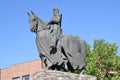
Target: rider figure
column 55, row 27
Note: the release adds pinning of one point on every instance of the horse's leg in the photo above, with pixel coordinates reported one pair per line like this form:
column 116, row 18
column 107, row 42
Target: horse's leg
column 61, row 51
column 82, row 70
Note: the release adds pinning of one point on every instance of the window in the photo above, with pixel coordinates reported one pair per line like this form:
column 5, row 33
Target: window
column 26, row 77
column 17, row 78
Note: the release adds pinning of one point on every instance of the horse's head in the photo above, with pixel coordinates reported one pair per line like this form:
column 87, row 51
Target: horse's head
column 36, row 24
column 33, row 20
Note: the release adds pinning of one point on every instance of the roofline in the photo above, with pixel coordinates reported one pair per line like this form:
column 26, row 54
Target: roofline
column 25, row 62
column 20, row 63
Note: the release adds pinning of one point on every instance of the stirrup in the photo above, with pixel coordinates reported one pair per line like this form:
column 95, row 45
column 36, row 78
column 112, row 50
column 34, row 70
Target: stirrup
column 52, row 46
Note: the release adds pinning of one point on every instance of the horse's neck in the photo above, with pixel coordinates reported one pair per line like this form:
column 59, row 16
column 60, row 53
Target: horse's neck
column 41, row 25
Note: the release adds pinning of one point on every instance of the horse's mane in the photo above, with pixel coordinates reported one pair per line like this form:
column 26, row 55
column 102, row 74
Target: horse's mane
column 41, row 24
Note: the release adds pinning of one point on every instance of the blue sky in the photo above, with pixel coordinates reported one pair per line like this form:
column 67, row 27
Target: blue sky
column 89, row 19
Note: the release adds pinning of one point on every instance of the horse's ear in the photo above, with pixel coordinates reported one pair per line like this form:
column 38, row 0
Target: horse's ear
column 28, row 13
column 32, row 12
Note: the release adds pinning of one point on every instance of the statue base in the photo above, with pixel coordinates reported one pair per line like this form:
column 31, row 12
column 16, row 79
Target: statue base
column 58, row 75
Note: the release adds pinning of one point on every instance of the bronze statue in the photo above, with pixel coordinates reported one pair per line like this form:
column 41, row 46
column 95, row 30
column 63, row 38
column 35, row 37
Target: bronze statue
column 72, row 50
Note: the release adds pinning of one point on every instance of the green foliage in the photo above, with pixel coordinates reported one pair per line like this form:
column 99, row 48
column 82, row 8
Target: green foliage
column 102, row 59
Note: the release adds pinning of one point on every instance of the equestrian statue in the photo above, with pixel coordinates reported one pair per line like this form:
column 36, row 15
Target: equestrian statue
column 57, row 51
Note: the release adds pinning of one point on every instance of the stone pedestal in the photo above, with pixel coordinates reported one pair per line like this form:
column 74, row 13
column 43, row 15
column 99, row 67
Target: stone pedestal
column 58, row 75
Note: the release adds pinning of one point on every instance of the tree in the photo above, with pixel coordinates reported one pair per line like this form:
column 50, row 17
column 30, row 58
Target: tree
column 102, row 59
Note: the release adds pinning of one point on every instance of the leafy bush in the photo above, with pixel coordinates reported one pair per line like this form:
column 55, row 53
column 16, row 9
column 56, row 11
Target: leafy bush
column 102, row 59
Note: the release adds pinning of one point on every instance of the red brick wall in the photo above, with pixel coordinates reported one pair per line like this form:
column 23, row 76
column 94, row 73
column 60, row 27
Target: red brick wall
column 19, row 70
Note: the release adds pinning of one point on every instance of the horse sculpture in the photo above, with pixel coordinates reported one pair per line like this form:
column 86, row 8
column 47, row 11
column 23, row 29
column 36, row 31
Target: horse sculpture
column 72, row 49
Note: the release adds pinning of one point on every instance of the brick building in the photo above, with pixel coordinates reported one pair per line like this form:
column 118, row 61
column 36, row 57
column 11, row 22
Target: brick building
column 22, row 71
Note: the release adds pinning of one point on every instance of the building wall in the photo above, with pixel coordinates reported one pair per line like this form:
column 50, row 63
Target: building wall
column 19, row 70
